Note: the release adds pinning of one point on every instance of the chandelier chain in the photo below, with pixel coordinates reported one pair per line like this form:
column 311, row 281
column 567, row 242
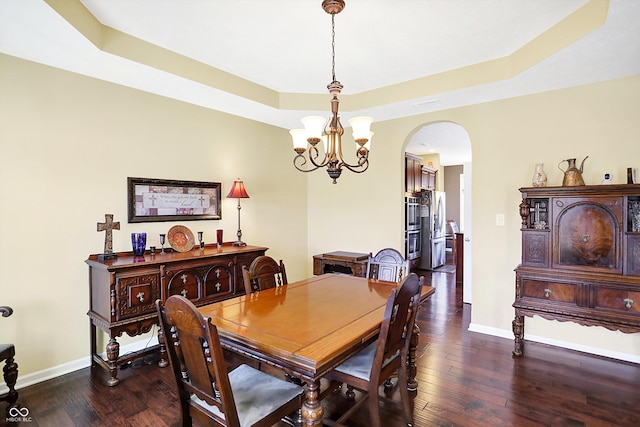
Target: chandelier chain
column 333, row 48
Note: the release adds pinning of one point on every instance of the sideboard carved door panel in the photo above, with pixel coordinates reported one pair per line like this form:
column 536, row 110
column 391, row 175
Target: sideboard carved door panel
column 218, row 280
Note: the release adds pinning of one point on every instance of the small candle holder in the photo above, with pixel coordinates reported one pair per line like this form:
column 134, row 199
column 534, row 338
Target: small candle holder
column 200, row 240
column 162, row 244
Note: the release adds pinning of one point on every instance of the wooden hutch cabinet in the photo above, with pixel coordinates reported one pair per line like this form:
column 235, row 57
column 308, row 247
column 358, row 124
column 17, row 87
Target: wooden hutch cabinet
column 580, row 257
column 123, row 291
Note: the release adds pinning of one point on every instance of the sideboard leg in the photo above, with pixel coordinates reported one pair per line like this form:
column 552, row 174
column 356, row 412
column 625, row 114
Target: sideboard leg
column 113, row 352
column 92, row 342
column 518, row 333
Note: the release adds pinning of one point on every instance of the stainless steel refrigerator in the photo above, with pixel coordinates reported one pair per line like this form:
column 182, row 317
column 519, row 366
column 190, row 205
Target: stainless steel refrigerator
column 433, row 229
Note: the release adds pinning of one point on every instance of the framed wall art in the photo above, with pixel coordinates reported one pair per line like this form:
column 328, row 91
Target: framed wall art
column 154, row 200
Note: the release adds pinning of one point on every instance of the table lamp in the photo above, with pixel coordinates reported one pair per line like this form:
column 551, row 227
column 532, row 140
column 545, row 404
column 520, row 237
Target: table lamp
column 238, row 192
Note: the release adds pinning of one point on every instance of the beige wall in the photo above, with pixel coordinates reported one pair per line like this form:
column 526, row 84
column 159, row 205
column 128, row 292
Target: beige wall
column 67, row 144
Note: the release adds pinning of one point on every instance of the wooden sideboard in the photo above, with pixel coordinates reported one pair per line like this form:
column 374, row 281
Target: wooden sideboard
column 580, row 257
column 352, row 263
column 123, row 291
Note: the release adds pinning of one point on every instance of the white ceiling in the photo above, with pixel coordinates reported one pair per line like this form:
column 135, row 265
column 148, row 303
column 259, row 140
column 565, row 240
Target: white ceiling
column 285, row 46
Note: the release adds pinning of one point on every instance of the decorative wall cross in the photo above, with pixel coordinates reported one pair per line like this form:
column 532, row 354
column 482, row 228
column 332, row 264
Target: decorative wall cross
column 108, row 225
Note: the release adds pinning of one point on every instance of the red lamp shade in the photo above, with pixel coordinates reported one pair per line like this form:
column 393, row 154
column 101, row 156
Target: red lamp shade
column 238, row 191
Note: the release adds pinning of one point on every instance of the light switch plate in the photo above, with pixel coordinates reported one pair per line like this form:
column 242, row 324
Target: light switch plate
column 499, row 219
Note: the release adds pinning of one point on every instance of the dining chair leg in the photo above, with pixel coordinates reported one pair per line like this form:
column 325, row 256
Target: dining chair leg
column 407, row 407
column 412, row 382
column 374, row 408
column 351, row 394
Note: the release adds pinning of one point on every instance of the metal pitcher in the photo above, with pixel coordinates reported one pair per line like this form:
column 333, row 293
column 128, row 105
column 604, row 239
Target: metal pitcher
column 572, row 175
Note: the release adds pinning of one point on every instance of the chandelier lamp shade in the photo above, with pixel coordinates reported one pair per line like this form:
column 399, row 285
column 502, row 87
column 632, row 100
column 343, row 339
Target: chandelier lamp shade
column 317, row 128
column 238, row 192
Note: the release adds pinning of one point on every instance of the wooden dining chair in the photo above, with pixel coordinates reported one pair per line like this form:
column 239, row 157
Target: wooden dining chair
column 241, row 398
column 7, row 355
column 263, row 273
column 388, row 264
column 387, row 356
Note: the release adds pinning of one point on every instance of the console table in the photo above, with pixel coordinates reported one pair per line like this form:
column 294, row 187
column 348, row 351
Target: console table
column 123, row 291
column 352, row 263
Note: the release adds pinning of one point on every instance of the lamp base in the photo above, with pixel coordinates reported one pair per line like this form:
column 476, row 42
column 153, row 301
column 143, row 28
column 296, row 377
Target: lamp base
column 239, row 243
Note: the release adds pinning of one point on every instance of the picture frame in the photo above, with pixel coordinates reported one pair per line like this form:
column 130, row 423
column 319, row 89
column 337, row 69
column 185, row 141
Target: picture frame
column 157, row 200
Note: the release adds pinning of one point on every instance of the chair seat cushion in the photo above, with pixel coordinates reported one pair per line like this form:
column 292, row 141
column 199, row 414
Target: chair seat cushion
column 256, row 394
column 360, row 364
column 6, row 351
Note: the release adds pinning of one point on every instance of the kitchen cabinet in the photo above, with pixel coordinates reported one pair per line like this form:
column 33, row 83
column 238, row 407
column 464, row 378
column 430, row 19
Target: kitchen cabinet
column 413, row 174
column 429, row 175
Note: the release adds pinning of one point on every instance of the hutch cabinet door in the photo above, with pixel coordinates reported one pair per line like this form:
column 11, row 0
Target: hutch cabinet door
column 588, row 233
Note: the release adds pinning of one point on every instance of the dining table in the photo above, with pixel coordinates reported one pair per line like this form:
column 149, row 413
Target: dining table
column 307, row 328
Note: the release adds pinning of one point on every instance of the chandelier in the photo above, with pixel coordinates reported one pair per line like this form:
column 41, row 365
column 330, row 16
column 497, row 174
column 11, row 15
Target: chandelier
column 331, row 134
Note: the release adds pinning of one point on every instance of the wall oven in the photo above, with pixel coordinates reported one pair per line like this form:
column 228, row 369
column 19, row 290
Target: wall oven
column 412, row 209
column 412, row 228
column 413, row 244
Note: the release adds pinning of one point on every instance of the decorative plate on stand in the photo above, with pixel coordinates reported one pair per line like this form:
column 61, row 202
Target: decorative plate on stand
column 180, row 238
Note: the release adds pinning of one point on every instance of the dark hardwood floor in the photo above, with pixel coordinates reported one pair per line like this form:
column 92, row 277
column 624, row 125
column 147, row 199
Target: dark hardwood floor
column 466, row 379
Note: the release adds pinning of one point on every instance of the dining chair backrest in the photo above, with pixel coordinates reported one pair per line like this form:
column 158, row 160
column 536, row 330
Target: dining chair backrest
column 207, row 391
column 263, row 273
column 397, row 322
column 196, row 357
column 388, row 264
column 387, row 357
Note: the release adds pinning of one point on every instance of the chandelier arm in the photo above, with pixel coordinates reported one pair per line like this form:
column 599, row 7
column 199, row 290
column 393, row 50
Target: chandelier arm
column 361, row 166
column 313, row 155
column 352, row 169
column 304, row 162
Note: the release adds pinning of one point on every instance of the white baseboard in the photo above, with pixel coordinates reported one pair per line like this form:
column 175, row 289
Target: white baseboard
column 503, row 333
column 67, row 368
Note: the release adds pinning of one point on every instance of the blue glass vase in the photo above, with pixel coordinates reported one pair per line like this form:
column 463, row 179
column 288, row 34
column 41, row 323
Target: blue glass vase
column 139, row 243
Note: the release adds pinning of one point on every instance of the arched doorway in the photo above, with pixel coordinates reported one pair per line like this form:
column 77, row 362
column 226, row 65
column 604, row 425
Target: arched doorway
column 446, row 146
